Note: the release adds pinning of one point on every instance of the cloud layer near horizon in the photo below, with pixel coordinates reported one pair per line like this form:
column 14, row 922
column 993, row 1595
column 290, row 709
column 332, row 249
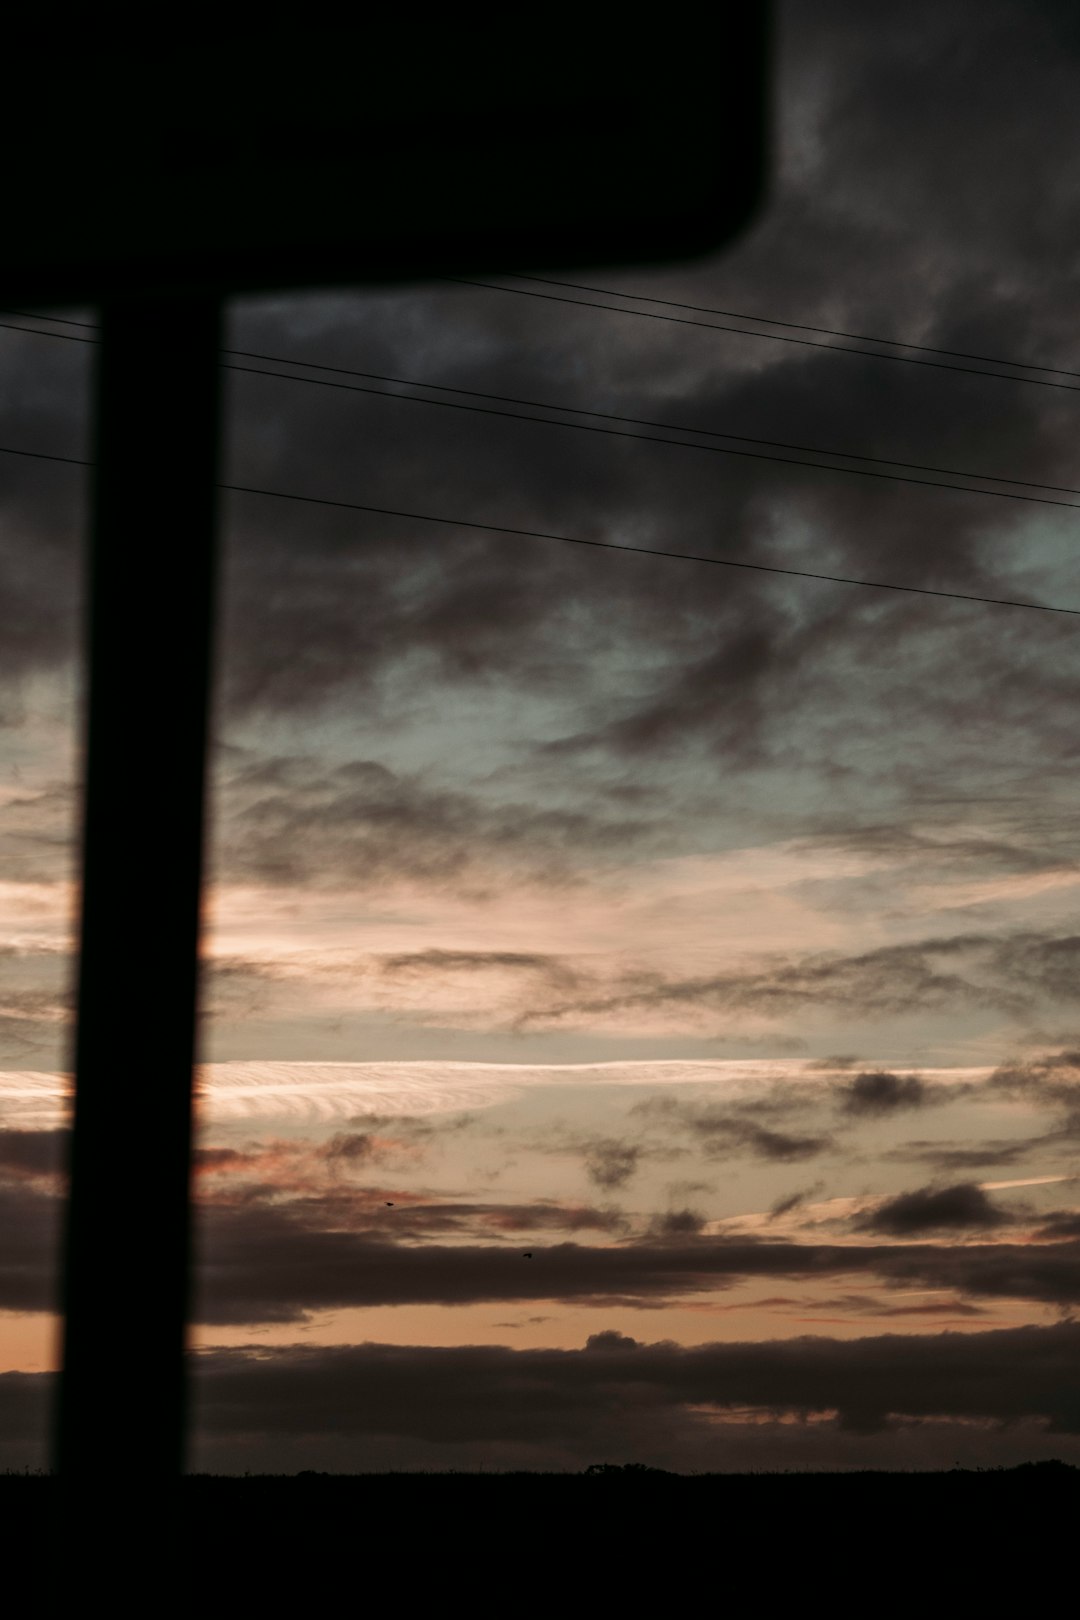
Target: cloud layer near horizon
column 620, row 1399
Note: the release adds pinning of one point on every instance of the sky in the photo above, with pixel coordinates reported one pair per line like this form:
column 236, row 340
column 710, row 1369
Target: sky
column 641, row 1017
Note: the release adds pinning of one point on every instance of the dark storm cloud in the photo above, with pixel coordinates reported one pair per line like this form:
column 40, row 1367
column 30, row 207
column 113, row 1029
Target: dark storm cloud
column 265, row 1263
column 617, row 1398
column 25, row 1404
column 379, row 1405
column 877, row 1092
column 886, row 221
column 964, row 1207
column 497, row 605
column 582, row 1395
column 261, row 1261
column 473, row 606
column 883, row 217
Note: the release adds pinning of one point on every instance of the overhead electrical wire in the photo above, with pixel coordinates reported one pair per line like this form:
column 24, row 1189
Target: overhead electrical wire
column 601, row 545
column 646, row 438
column 683, row 444
column 730, row 314
column 796, row 326
column 772, row 337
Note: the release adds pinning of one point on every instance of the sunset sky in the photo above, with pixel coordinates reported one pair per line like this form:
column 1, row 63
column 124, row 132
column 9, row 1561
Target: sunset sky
column 641, row 1016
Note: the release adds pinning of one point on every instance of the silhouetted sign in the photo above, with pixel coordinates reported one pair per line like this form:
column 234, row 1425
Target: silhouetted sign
column 157, row 161
column 292, row 152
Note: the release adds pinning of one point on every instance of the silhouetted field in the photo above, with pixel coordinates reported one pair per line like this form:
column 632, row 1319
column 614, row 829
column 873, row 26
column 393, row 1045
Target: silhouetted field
column 1052, row 1481
column 1052, row 1474
column 411, row 1542
column 215, row 1504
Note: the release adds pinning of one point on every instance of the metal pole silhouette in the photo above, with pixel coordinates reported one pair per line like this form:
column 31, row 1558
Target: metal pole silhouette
column 151, row 591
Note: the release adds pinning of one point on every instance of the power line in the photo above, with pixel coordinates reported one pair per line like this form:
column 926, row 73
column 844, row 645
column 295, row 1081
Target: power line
column 601, row 545
column 797, row 326
column 654, row 551
column 640, row 422
column 773, row 337
column 730, row 314
column 42, row 455
column 613, row 416
column 64, row 337
column 681, row 444
column 61, row 320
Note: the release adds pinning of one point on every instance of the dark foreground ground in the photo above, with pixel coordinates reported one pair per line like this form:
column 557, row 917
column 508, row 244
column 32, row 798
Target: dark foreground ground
column 483, row 1544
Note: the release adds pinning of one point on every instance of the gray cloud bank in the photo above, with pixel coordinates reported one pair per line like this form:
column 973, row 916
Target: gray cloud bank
column 263, row 1263
column 263, row 1267
column 286, row 1231
column 1001, row 1376
column 621, row 1399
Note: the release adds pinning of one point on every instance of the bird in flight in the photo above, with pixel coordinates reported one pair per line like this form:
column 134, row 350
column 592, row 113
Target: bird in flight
column 389, row 1205
column 526, row 1257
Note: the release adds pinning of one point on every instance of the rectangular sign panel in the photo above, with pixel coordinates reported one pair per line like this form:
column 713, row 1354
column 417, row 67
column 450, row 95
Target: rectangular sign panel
column 292, row 153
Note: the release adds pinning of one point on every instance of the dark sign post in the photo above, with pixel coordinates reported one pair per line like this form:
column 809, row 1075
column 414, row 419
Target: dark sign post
column 151, row 590
column 156, row 185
